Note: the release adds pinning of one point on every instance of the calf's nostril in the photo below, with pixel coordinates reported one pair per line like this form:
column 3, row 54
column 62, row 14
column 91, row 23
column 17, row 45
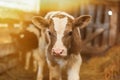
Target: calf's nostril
column 61, row 51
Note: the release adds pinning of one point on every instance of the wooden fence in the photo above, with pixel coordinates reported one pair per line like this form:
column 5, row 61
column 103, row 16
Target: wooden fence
column 105, row 16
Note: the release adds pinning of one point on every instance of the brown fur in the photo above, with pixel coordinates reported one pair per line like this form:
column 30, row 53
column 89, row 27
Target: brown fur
column 76, row 41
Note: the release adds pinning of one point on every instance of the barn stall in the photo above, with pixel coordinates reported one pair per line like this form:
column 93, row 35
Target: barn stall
column 100, row 53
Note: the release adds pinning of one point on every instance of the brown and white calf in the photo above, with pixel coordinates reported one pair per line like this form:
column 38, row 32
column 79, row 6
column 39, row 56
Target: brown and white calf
column 63, row 43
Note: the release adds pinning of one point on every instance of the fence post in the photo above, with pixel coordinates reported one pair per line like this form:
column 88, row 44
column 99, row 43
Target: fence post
column 113, row 25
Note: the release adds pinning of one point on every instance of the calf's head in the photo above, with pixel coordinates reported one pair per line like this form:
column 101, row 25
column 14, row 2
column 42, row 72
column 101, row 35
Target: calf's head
column 62, row 32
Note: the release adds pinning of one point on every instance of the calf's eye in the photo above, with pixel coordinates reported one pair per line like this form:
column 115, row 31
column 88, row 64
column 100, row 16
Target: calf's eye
column 70, row 33
column 49, row 32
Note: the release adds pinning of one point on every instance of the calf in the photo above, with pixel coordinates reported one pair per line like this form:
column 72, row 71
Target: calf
column 27, row 42
column 63, row 43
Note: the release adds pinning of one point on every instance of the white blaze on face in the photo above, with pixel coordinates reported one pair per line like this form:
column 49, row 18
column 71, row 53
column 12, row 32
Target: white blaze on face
column 60, row 25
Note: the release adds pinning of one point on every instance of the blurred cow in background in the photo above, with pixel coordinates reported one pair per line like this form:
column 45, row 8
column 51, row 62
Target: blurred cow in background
column 27, row 43
column 63, row 43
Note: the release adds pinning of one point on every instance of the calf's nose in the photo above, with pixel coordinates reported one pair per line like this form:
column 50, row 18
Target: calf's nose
column 57, row 51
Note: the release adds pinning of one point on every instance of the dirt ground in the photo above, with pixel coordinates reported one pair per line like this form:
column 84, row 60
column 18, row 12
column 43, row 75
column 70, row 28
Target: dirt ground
column 106, row 67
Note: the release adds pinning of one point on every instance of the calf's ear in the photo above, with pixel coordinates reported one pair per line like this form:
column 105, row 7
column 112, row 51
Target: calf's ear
column 82, row 21
column 40, row 22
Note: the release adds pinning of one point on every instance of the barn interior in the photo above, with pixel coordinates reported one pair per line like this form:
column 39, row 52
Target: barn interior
column 100, row 54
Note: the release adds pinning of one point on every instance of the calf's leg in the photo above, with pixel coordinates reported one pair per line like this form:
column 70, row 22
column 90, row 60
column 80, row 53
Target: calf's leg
column 27, row 62
column 41, row 62
column 54, row 72
column 74, row 67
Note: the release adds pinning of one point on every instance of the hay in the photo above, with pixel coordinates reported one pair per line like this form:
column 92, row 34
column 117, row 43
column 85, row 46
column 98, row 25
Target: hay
column 105, row 67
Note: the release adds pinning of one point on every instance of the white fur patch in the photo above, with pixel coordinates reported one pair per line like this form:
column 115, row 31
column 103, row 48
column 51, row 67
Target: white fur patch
column 52, row 13
column 61, row 62
column 60, row 25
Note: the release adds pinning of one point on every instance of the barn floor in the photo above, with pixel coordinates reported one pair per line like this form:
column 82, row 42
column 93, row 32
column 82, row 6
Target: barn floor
column 105, row 67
